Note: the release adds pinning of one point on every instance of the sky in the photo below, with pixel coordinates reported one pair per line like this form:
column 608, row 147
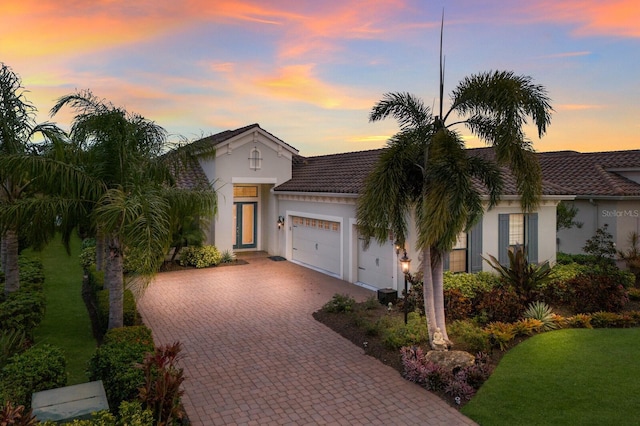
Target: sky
column 309, row 72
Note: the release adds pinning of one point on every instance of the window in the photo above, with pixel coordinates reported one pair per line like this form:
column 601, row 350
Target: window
column 516, row 231
column 255, row 160
column 458, row 254
column 245, row 191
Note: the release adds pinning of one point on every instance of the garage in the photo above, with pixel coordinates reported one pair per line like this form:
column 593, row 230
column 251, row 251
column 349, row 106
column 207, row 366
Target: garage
column 376, row 264
column 316, row 243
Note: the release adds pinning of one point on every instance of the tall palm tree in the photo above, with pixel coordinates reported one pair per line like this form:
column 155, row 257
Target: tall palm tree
column 24, row 173
column 426, row 173
column 133, row 216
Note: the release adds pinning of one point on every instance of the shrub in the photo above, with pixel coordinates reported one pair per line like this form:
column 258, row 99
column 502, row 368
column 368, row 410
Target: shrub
column 469, row 336
column 527, row 327
column 456, row 305
column 162, row 379
column 31, row 271
column 371, row 303
column 18, row 416
column 598, row 291
column 543, row 313
column 131, row 316
column 88, row 257
column 601, row 247
column 501, row 334
column 415, row 297
column 22, row 310
column 427, row 374
column 580, row 259
column 556, row 289
column 129, row 414
column 11, row 343
column 339, row 303
column 36, row 369
column 200, row 256
column 611, row 320
column 580, row 321
column 499, row 304
column 634, row 293
column 459, row 388
column 396, row 334
column 470, row 284
column 114, row 362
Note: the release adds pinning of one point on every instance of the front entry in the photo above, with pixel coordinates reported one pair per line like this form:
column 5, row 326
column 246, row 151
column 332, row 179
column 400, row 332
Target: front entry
column 245, row 225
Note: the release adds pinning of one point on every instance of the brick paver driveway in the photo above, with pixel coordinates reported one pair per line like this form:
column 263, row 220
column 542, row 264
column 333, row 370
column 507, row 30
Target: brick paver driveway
column 253, row 354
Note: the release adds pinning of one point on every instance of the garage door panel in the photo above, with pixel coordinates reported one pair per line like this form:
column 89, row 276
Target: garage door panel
column 376, row 264
column 317, row 243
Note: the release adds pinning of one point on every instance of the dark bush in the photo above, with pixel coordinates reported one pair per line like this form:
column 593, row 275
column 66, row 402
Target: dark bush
column 456, row 305
column 339, row 303
column 31, row 271
column 598, row 291
column 131, row 316
column 115, row 362
column 580, row 259
column 36, row 369
column 415, row 296
column 22, row 310
column 500, row 304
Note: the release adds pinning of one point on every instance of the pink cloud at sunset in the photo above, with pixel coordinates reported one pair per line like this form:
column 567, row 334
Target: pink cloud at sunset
column 310, row 71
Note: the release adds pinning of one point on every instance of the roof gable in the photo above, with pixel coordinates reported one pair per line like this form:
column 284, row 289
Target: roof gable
column 228, row 140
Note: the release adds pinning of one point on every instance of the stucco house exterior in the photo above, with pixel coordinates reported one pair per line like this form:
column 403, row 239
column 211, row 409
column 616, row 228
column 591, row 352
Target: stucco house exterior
column 303, row 209
column 606, row 186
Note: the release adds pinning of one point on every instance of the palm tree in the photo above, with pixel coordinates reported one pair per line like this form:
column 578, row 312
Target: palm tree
column 134, row 214
column 426, row 171
column 24, row 172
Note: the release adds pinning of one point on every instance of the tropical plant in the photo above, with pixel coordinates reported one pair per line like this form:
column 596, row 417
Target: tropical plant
column 426, row 173
column 632, row 255
column 566, row 217
column 523, row 276
column 135, row 214
column 542, row 312
column 31, row 184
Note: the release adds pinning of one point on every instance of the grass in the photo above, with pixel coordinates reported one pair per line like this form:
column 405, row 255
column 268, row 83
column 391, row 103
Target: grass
column 66, row 323
column 564, row 377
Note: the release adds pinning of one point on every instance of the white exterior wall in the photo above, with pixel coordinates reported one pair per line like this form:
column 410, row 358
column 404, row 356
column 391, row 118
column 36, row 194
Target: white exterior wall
column 231, row 166
column 621, row 217
column 546, row 230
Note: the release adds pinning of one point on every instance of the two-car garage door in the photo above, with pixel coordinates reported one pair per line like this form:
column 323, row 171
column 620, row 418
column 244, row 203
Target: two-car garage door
column 317, row 243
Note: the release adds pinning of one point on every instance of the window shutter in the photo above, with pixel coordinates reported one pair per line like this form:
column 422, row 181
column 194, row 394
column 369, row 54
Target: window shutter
column 445, row 261
column 475, row 248
column 532, row 237
column 503, row 239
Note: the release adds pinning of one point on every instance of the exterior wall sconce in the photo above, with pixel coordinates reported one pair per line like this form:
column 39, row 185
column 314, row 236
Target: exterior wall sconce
column 280, row 222
column 405, row 262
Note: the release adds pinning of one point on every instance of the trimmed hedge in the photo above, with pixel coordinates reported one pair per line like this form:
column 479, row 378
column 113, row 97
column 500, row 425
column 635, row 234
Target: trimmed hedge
column 114, row 362
column 36, row 369
column 200, row 257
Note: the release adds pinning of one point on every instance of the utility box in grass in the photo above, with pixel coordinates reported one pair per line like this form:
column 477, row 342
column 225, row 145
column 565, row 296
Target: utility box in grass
column 70, row 402
column 386, row 295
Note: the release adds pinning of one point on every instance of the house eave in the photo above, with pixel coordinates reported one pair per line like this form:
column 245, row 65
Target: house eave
column 316, row 194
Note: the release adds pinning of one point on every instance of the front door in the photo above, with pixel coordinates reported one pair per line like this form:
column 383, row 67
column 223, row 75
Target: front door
column 245, row 225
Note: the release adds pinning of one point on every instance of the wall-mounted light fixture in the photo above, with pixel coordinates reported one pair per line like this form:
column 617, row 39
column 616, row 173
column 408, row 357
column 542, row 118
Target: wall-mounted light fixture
column 280, row 222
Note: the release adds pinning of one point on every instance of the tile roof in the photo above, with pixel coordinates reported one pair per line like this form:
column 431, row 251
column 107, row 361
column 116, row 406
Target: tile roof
column 219, row 138
column 592, row 173
column 346, row 173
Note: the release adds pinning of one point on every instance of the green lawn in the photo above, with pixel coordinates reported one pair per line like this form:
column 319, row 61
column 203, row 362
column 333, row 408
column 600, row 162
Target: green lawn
column 66, row 322
column 565, row 377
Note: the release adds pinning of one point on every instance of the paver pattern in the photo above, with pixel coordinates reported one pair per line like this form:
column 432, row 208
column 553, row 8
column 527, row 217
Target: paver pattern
column 254, row 355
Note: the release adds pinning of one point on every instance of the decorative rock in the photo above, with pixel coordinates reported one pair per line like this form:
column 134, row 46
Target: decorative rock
column 451, row 360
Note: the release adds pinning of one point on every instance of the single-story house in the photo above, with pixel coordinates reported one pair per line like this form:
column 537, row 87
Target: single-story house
column 303, row 208
column 606, row 186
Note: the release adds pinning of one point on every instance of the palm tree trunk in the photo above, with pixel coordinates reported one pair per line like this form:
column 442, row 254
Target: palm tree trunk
column 438, row 295
column 10, row 264
column 100, row 251
column 3, row 252
column 114, row 283
column 429, row 306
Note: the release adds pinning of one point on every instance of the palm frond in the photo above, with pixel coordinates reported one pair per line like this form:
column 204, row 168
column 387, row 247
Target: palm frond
column 408, row 110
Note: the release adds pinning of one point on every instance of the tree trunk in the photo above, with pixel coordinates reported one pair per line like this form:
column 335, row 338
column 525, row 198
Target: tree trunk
column 114, row 283
column 100, row 251
column 429, row 305
column 438, row 295
column 10, row 264
column 3, row 252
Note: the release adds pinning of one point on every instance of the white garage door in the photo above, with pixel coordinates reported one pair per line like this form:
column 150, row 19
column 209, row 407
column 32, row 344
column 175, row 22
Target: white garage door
column 317, row 243
column 376, row 264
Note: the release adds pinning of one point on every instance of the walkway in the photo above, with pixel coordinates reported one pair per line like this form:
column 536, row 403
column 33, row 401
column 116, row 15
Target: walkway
column 254, row 355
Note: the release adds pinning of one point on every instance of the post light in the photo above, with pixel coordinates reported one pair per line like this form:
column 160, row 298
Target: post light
column 404, row 262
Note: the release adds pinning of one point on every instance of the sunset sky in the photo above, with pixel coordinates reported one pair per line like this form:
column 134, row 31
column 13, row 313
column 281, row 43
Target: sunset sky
column 310, row 71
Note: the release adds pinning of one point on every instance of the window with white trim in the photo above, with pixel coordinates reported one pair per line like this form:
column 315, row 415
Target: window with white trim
column 255, row 159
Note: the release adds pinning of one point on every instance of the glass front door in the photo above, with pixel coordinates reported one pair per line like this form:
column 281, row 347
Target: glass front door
column 245, row 225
